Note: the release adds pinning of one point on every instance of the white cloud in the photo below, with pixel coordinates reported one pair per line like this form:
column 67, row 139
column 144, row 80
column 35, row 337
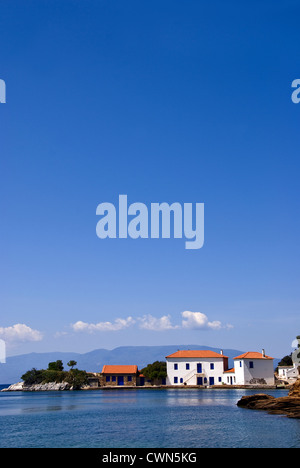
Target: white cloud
column 118, row 324
column 190, row 320
column 20, row 332
column 148, row 322
column 197, row 320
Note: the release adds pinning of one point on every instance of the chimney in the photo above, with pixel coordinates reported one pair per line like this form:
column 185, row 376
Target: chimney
column 221, row 352
column 263, row 353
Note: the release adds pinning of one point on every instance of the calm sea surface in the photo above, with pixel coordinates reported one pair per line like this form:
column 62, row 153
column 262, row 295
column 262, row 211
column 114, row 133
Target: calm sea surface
column 185, row 418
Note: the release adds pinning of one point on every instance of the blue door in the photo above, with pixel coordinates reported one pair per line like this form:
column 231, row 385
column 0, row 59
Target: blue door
column 211, row 381
column 199, row 368
column 199, row 381
column 120, row 380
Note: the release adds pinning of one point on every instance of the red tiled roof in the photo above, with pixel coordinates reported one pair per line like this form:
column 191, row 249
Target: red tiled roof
column 112, row 369
column 230, row 371
column 196, row 354
column 253, row 355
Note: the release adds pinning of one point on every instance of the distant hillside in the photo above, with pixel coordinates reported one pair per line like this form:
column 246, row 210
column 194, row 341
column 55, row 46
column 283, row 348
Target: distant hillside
column 93, row 361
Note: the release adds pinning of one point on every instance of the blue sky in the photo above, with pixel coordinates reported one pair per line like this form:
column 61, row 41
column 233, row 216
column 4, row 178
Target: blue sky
column 164, row 101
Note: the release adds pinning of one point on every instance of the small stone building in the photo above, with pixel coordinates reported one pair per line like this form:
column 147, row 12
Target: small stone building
column 93, row 379
column 119, row 376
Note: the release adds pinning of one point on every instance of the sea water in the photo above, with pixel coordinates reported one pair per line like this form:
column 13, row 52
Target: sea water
column 160, row 418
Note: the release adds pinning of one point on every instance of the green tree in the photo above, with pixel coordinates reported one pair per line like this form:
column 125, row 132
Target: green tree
column 77, row 378
column 156, row 370
column 286, row 361
column 54, row 376
column 72, row 364
column 56, row 365
column 33, row 376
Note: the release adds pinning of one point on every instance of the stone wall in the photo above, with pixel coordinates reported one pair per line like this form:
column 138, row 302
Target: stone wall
column 114, row 380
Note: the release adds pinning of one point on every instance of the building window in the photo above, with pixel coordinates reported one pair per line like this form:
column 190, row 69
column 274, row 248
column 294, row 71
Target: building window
column 175, row 379
column 212, row 366
column 113, row 378
column 108, row 378
column 175, row 366
column 251, row 364
column 241, row 364
column 187, row 366
column 129, row 378
column 220, row 379
column 181, row 380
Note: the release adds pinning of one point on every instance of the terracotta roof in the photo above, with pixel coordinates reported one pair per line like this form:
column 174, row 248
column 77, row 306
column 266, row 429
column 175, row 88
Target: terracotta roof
column 230, row 371
column 253, row 355
column 196, row 354
column 112, row 369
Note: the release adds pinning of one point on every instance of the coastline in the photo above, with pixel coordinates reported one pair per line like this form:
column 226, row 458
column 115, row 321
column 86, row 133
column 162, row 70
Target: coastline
column 64, row 386
column 288, row 405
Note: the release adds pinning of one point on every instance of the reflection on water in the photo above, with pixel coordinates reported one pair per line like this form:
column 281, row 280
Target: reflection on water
column 141, row 418
column 199, row 397
column 40, row 409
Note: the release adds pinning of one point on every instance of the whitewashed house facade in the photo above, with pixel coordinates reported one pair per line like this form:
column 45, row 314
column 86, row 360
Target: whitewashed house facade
column 288, row 373
column 196, row 367
column 251, row 368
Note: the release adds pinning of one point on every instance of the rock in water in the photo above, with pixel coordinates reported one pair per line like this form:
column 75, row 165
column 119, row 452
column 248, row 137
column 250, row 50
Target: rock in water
column 295, row 389
column 288, row 406
column 17, row 387
column 46, row 387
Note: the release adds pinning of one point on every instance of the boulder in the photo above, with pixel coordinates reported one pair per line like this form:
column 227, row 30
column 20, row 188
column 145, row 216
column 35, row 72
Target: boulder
column 295, row 389
column 17, row 387
column 45, row 387
column 288, row 406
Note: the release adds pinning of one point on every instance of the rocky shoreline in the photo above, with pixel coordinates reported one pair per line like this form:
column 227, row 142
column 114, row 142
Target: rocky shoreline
column 53, row 386
column 288, row 406
column 46, row 387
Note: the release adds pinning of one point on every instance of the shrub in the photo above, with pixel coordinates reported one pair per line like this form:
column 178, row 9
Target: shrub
column 157, row 370
column 33, row 376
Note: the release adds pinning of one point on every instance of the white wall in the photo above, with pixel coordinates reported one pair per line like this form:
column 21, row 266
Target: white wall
column 189, row 376
column 229, row 378
column 287, row 372
column 263, row 369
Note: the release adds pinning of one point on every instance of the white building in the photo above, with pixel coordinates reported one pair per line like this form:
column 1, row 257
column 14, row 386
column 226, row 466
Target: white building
column 288, row 373
column 251, row 368
column 196, row 367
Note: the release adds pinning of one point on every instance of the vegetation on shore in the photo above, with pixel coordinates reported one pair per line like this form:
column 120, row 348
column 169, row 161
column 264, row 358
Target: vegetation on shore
column 56, row 373
column 155, row 371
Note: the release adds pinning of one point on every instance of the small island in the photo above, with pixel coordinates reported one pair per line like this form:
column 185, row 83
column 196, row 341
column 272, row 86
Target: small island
column 52, row 378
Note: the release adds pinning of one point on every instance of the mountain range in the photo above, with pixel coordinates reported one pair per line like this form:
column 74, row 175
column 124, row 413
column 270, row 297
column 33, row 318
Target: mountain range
column 93, row 361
